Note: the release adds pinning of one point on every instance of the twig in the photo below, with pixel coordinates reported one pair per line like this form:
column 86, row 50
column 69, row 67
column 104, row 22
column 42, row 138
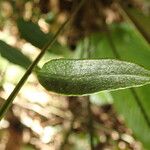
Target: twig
column 14, row 93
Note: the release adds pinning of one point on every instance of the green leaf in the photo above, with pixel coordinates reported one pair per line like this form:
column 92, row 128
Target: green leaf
column 131, row 47
column 32, row 33
column 13, row 55
column 101, row 98
column 78, row 77
column 126, row 105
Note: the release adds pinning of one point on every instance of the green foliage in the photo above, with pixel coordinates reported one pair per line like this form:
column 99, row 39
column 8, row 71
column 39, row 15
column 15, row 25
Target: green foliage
column 78, row 77
column 101, row 98
column 32, row 33
column 125, row 104
column 141, row 21
column 13, row 55
column 130, row 47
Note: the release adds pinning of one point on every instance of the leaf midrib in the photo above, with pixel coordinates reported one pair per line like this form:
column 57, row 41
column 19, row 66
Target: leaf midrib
column 84, row 76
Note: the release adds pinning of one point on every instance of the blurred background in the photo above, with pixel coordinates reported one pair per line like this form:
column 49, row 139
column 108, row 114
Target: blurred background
column 41, row 120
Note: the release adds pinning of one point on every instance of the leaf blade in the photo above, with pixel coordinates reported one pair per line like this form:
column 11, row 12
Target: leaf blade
column 79, row 77
column 32, row 33
column 14, row 55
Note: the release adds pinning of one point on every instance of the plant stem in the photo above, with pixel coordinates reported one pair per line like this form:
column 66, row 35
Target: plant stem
column 90, row 117
column 10, row 99
column 133, row 21
column 90, row 123
column 14, row 93
column 67, row 134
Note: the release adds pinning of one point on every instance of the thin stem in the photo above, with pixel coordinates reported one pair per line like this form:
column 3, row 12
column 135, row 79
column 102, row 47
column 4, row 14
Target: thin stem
column 90, row 123
column 132, row 20
column 11, row 97
column 139, row 103
column 89, row 47
column 67, row 134
column 14, row 93
column 113, row 47
column 90, row 120
column 135, row 95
